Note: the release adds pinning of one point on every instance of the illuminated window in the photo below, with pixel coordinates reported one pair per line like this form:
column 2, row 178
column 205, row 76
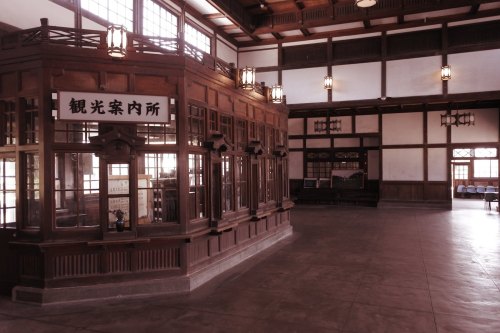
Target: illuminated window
column 197, row 191
column 461, row 171
column 114, row 11
column 196, row 38
column 32, row 216
column 118, row 169
column 76, row 189
column 485, row 152
column 8, row 192
column 196, row 125
column 7, row 123
column 241, row 181
column 485, row 168
column 161, row 182
column 157, row 21
column 460, row 153
column 75, row 132
column 227, row 184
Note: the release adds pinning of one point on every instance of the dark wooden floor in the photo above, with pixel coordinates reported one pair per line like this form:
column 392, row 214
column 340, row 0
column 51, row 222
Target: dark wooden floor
column 345, row 269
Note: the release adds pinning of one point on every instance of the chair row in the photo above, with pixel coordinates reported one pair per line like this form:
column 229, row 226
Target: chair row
column 476, row 189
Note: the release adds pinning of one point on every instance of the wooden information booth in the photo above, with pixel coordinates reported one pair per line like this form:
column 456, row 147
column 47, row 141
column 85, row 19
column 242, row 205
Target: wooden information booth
column 163, row 140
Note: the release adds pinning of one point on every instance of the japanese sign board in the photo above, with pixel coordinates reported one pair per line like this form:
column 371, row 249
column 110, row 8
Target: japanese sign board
column 86, row 106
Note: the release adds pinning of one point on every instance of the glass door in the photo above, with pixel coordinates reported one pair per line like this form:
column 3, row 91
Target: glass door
column 118, row 196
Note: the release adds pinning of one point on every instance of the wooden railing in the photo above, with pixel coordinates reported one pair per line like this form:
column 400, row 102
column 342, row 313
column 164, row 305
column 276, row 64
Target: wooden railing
column 96, row 39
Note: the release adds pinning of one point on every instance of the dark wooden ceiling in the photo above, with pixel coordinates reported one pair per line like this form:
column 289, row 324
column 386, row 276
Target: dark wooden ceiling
column 271, row 21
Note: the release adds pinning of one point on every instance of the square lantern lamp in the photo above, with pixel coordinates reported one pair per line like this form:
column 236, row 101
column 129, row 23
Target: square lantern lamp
column 277, row 94
column 247, row 78
column 446, row 73
column 328, row 82
column 117, row 41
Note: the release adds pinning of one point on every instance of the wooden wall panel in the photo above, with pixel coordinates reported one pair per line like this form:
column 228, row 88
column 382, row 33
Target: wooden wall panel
column 227, row 240
column 436, row 191
column 259, row 114
column 402, row 191
column 8, row 262
column 160, row 85
column 212, row 97
column 117, row 82
column 158, row 258
column 240, row 107
column 78, row 264
column 198, row 251
column 214, row 245
column 29, row 80
column 225, row 102
column 197, row 91
column 269, row 118
column 76, row 80
column 243, row 233
column 6, row 86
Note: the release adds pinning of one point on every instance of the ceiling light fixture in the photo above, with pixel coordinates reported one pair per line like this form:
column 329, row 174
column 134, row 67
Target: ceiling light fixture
column 365, row 3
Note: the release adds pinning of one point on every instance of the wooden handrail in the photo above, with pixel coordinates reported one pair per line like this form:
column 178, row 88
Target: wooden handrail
column 96, row 39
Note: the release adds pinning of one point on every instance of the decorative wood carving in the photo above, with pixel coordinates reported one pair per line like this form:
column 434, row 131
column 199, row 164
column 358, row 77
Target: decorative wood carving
column 117, row 144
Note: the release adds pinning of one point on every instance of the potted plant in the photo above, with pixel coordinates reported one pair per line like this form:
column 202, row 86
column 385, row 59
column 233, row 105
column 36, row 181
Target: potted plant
column 120, row 223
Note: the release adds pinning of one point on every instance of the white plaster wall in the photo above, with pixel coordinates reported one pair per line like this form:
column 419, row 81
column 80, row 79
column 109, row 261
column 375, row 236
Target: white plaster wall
column 89, row 24
column 484, row 130
column 260, row 58
column 403, row 164
column 402, row 128
column 373, row 159
column 296, row 165
column 356, row 81
column 414, row 77
column 270, row 78
column 226, row 53
column 346, row 125
column 346, row 142
column 474, row 71
column 304, row 85
column 435, row 132
column 318, row 143
column 295, row 126
column 367, row 124
column 26, row 14
column 295, row 143
column 436, row 164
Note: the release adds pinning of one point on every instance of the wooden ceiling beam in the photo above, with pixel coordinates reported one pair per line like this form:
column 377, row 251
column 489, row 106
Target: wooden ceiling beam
column 305, row 32
column 213, row 16
column 275, row 22
column 381, row 27
column 474, row 9
column 237, row 14
column 299, row 4
column 277, row 35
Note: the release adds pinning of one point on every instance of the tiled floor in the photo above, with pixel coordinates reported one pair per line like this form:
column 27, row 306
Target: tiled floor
column 345, row 269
